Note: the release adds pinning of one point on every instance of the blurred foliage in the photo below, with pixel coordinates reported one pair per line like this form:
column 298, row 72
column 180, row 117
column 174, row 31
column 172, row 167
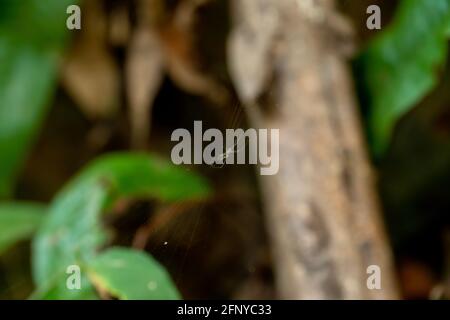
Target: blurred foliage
column 131, row 275
column 72, row 232
column 399, row 67
column 18, row 221
column 402, row 64
column 32, row 34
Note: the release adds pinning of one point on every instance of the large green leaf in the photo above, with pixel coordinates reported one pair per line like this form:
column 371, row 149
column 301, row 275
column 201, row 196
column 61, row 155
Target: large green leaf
column 402, row 65
column 32, row 34
column 72, row 232
column 131, row 275
column 26, row 80
column 18, row 221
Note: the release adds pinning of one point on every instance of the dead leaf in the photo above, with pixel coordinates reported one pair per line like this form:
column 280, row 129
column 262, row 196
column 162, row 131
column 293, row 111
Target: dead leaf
column 144, row 75
column 182, row 59
column 90, row 74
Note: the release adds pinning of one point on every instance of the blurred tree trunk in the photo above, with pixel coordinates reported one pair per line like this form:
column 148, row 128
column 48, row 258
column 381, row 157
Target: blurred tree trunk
column 286, row 62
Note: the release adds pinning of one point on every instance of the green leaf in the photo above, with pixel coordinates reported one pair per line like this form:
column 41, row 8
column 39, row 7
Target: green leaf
column 18, row 221
column 402, row 65
column 35, row 23
column 26, row 80
column 72, row 232
column 32, row 34
column 131, row 275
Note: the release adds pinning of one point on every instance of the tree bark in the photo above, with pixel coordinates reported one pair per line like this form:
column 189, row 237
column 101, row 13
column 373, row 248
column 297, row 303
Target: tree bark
column 286, row 62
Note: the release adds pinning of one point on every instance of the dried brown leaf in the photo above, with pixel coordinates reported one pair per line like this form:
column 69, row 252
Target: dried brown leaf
column 144, row 74
column 182, row 60
column 90, row 74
